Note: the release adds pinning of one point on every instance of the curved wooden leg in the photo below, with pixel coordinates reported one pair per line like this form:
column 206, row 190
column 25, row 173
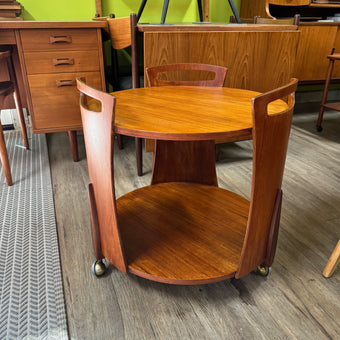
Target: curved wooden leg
column 217, row 152
column 139, row 156
column 274, row 230
column 21, row 116
column 120, row 142
column 324, row 96
column 72, row 136
column 95, row 225
column 98, row 267
column 4, row 158
column 332, row 262
column 176, row 161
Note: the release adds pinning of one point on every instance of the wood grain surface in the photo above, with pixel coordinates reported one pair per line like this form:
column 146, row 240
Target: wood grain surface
column 192, row 246
column 294, row 302
column 289, row 2
column 261, row 62
column 47, row 89
column 194, row 113
column 313, row 48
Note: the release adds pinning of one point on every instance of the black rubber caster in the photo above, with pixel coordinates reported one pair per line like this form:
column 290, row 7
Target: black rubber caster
column 98, row 268
column 318, row 128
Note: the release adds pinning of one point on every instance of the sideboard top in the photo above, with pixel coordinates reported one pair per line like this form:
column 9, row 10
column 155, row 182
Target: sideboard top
column 51, row 24
column 214, row 27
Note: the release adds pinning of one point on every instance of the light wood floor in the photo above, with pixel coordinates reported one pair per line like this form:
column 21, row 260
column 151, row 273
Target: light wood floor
column 294, row 302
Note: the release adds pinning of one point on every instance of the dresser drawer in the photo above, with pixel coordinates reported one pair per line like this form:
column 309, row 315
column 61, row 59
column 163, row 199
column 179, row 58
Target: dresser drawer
column 59, row 39
column 55, row 99
column 61, row 61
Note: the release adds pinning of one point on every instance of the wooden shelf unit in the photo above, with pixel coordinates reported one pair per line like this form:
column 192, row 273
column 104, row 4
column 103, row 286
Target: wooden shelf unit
column 311, row 59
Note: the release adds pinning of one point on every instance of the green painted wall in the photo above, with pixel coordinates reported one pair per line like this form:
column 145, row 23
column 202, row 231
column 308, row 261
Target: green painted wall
column 179, row 10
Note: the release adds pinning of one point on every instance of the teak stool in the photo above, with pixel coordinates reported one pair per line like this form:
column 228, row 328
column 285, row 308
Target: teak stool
column 333, row 106
column 7, row 88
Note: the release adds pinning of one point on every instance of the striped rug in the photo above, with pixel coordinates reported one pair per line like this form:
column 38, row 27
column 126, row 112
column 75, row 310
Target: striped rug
column 31, row 291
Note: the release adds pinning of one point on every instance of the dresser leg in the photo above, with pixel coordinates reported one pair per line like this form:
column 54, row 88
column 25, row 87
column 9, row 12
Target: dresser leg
column 4, row 158
column 72, row 136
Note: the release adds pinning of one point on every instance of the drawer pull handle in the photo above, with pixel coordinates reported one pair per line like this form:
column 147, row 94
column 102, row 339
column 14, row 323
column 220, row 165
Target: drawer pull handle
column 66, row 82
column 57, row 39
column 63, row 61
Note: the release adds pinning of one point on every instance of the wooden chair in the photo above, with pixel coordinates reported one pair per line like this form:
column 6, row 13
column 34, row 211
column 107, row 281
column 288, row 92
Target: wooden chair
column 191, row 71
column 123, row 33
column 273, row 21
column 7, row 88
column 333, row 57
column 332, row 262
column 159, row 75
column 180, row 232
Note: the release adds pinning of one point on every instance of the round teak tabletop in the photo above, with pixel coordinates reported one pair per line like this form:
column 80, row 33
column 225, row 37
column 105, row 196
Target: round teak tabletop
column 186, row 112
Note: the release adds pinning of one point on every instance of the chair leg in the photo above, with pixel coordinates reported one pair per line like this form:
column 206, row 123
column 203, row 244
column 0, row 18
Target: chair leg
column 141, row 9
column 217, row 152
column 18, row 106
column 324, row 96
column 165, row 10
column 120, row 142
column 4, row 158
column 332, row 262
column 139, row 156
column 200, row 10
column 72, row 136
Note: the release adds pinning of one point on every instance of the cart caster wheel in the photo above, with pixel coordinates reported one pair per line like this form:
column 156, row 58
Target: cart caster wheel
column 264, row 271
column 98, row 268
column 318, row 128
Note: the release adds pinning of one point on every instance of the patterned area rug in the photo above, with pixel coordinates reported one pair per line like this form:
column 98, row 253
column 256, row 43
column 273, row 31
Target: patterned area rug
column 31, row 292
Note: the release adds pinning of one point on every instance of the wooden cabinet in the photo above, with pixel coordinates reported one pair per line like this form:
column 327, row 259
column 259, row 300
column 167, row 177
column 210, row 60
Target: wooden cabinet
column 55, row 99
column 51, row 55
column 311, row 62
column 54, row 58
column 317, row 38
column 258, row 57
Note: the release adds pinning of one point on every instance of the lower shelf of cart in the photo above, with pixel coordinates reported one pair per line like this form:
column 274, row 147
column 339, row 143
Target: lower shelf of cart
column 182, row 233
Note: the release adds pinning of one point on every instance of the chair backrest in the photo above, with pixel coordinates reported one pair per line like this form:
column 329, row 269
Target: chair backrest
column 270, row 142
column 120, row 32
column 6, row 56
column 7, row 86
column 273, row 21
column 98, row 135
column 181, row 71
column 123, row 33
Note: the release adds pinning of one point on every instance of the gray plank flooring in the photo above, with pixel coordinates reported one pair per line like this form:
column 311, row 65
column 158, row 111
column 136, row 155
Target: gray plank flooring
column 294, row 302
